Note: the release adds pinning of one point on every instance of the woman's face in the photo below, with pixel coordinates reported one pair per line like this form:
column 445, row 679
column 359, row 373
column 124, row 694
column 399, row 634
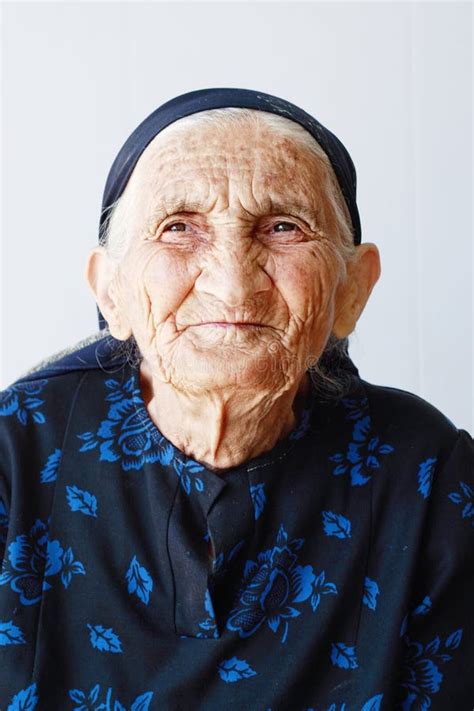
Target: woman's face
column 230, row 277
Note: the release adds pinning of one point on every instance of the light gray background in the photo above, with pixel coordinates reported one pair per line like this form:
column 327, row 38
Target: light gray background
column 392, row 80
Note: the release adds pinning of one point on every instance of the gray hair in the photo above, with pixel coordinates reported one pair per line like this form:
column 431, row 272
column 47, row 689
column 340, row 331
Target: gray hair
column 332, row 374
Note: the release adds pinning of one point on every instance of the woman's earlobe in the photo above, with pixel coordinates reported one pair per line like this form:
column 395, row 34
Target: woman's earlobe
column 347, row 314
column 118, row 328
column 354, row 293
column 99, row 274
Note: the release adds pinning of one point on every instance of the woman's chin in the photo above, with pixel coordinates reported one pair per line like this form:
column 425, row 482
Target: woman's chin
column 215, row 370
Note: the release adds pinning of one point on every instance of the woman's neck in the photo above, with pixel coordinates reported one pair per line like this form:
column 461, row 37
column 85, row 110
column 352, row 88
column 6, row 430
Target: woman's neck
column 222, row 430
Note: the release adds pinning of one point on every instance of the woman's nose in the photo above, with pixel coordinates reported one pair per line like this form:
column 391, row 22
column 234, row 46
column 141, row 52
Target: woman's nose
column 233, row 274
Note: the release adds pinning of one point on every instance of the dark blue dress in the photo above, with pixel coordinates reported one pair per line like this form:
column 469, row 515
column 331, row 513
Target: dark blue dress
column 342, row 578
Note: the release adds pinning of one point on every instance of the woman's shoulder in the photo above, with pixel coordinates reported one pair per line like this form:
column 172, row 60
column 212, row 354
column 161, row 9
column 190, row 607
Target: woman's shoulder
column 61, row 370
column 97, row 351
column 415, row 423
column 403, row 407
column 35, row 408
column 46, row 408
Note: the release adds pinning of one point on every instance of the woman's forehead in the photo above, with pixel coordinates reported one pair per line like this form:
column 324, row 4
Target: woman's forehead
column 205, row 159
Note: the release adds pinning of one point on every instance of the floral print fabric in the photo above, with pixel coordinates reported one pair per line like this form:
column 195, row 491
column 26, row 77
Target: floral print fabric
column 342, row 575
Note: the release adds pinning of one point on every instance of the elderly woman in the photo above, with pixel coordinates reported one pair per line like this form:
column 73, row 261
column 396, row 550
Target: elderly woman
column 204, row 506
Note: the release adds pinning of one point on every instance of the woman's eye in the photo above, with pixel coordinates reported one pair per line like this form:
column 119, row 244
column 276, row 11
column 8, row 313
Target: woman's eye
column 169, row 227
column 279, row 227
column 287, row 226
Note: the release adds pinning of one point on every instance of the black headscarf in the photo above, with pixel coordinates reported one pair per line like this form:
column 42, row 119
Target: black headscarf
column 205, row 99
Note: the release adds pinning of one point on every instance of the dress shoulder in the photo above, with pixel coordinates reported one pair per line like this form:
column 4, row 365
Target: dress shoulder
column 35, row 408
column 98, row 351
column 41, row 397
column 402, row 411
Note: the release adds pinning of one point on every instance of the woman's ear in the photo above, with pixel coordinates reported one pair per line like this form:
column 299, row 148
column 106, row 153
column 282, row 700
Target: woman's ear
column 363, row 271
column 100, row 274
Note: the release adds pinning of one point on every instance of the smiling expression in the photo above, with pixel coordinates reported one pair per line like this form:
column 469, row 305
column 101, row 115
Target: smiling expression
column 231, row 273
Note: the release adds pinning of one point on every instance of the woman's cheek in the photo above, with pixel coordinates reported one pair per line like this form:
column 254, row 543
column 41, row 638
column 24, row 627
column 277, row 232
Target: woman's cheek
column 324, row 275
column 301, row 283
column 169, row 278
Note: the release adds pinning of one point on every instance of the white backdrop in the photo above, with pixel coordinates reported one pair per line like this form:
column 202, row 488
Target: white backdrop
column 392, row 80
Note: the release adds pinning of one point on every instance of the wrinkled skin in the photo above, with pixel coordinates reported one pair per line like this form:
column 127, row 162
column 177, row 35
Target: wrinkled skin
column 251, row 242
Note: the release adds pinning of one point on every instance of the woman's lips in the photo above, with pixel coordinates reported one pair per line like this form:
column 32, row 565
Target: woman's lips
column 229, row 324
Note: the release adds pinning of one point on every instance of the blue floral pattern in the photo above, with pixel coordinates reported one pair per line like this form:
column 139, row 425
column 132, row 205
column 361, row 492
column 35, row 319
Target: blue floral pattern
column 257, row 493
column 231, row 670
column 421, row 676
column 124, row 436
column 221, row 562
column 95, row 700
column 336, row 525
column 186, row 471
column 372, row 704
column 271, row 587
column 10, row 634
column 70, row 567
column 356, row 407
column 33, row 560
column 81, row 500
column 425, row 476
column 321, row 587
column 139, row 581
column 363, row 454
column 25, row 700
column 49, row 472
column 4, row 518
column 104, row 639
column 209, row 623
column 371, row 590
column 128, row 435
column 343, row 656
column 464, row 498
column 19, row 400
column 422, row 609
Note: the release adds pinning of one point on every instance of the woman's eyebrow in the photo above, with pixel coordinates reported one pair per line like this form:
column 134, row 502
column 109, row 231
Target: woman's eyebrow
column 169, row 207
column 293, row 208
column 270, row 207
